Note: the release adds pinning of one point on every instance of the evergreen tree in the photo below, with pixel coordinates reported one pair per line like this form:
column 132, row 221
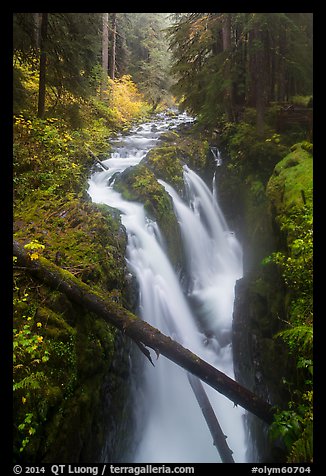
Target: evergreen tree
column 43, row 55
column 73, row 47
column 227, row 61
column 149, row 55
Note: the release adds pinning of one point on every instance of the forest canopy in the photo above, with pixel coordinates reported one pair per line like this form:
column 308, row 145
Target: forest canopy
column 213, row 63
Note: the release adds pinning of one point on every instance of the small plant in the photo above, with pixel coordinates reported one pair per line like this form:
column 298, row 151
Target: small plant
column 29, row 354
column 295, row 427
column 34, row 249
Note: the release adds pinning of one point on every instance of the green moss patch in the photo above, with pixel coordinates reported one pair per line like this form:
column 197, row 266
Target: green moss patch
column 166, row 163
column 77, row 236
column 291, row 186
column 140, row 184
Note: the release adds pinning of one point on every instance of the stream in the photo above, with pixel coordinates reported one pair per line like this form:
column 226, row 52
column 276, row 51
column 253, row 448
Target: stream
column 196, row 311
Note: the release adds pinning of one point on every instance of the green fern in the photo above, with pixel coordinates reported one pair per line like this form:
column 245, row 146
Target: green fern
column 302, row 449
column 31, row 382
column 298, row 337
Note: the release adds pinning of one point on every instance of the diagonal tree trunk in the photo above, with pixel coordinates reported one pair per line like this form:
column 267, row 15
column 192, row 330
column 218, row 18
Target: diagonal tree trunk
column 141, row 332
column 219, row 439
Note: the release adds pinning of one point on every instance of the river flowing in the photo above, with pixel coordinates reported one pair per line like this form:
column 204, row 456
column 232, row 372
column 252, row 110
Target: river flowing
column 196, row 312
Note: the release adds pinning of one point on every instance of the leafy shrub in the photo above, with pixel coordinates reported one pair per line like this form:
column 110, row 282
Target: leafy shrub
column 251, row 153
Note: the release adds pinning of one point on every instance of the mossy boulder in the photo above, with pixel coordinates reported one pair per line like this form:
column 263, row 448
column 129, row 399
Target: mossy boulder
column 196, row 150
column 140, row 184
column 169, row 136
column 167, row 160
column 167, row 164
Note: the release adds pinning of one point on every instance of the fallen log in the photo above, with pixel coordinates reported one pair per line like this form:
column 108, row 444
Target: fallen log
column 219, row 439
column 141, row 332
column 97, row 160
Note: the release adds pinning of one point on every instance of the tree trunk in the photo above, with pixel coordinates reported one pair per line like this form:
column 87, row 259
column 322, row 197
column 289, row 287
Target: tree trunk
column 113, row 45
column 42, row 80
column 226, row 39
column 141, row 332
column 37, row 17
column 105, row 52
column 97, row 160
column 219, row 438
column 259, row 78
column 281, row 95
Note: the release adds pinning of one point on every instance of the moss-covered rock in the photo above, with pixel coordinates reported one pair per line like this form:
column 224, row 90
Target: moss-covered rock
column 79, row 236
column 59, row 398
column 169, row 136
column 265, row 296
column 167, row 164
column 167, row 160
column 140, row 184
column 290, row 188
column 258, row 316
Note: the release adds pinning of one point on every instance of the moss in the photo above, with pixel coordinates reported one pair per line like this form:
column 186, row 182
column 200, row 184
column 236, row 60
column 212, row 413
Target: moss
column 87, row 241
column 89, row 244
column 80, row 353
column 169, row 136
column 61, row 438
column 197, row 151
column 290, row 187
column 54, row 325
column 166, row 164
column 94, row 345
column 140, row 184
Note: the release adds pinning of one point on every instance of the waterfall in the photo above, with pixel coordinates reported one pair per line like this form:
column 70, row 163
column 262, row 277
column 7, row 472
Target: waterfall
column 217, row 156
column 198, row 314
column 214, row 256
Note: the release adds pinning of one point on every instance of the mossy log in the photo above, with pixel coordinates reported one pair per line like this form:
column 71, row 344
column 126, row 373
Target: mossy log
column 141, row 332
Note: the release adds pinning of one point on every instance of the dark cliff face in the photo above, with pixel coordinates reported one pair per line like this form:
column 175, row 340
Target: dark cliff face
column 260, row 361
column 259, row 304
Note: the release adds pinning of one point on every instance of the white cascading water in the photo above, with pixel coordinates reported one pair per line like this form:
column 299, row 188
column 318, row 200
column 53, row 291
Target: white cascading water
column 173, row 429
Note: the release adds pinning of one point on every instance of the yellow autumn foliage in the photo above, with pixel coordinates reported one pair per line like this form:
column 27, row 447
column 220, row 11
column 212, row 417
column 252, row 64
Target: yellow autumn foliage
column 125, row 101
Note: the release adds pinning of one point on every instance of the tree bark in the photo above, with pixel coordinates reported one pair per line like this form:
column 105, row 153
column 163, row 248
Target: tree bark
column 219, row 438
column 42, row 80
column 105, row 52
column 226, row 40
column 141, row 332
column 259, row 78
column 113, row 45
column 37, row 17
column 97, row 160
